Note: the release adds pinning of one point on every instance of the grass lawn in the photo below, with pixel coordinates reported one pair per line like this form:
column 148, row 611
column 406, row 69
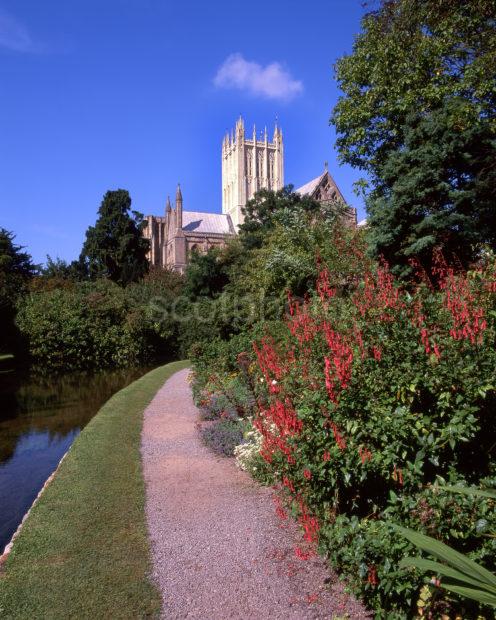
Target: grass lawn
column 84, row 551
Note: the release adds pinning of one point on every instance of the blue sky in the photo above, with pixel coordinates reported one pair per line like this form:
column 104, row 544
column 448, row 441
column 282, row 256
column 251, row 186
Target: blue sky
column 137, row 94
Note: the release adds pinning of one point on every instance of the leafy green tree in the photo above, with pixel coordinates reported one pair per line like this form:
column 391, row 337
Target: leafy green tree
column 207, row 274
column 16, row 267
column 439, row 190
column 114, row 247
column 412, row 55
column 292, row 247
column 422, row 70
column 56, row 268
column 159, row 282
column 260, row 213
column 16, row 270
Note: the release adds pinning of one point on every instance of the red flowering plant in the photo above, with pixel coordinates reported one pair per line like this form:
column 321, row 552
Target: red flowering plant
column 374, row 394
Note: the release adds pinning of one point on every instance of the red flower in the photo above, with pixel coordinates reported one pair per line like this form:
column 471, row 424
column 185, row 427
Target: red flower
column 288, row 484
column 307, row 473
column 338, row 369
column 398, row 475
column 280, row 512
column 377, row 353
column 365, row 454
column 340, row 440
column 324, row 289
column 372, row 576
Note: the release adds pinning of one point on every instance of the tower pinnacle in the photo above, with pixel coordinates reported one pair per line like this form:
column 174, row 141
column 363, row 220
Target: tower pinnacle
column 256, row 163
column 179, row 208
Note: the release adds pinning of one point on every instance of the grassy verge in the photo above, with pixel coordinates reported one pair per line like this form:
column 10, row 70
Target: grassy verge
column 84, row 551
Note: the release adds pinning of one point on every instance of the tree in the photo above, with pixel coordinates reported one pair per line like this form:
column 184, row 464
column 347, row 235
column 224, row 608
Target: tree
column 439, row 190
column 428, row 67
column 299, row 237
column 206, row 275
column 114, row 247
column 412, row 55
column 260, row 212
column 16, row 270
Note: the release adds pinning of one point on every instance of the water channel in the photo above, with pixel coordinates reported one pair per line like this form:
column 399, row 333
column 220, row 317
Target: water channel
column 39, row 419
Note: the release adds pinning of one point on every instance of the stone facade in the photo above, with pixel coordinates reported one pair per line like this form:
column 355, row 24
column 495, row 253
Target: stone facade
column 248, row 165
column 178, row 233
column 323, row 189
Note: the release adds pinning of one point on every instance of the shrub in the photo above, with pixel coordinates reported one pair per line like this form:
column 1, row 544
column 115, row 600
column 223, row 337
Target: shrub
column 222, row 436
column 93, row 325
column 366, row 402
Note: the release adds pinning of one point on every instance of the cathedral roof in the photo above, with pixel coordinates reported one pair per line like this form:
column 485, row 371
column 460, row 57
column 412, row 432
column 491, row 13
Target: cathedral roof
column 322, row 187
column 198, row 222
column 311, row 186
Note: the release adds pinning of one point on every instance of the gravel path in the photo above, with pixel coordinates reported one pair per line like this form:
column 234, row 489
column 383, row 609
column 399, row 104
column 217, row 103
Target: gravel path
column 219, row 550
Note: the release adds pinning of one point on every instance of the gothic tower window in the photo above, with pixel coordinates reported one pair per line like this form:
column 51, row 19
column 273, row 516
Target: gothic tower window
column 260, row 164
column 249, row 163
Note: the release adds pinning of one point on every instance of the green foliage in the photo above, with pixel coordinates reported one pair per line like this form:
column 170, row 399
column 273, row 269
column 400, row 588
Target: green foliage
column 232, row 290
column 471, row 491
column 412, row 55
column 207, row 274
column 458, row 573
column 57, row 271
column 16, row 267
column 99, row 324
column 371, row 402
column 289, row 257
column 436, row 191
column 260, row 213
column 414, row 418
column 115, row 248
column 16, row 270
column 418, row 115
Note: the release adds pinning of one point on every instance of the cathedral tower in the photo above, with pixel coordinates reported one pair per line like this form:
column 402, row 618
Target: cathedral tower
column 249, row 165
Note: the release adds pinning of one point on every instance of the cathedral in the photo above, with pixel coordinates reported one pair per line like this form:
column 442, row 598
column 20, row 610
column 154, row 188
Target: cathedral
column 248, row 165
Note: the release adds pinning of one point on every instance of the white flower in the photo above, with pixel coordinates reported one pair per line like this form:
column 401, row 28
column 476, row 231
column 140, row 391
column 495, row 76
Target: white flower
column 274, row 382
column 247, row 452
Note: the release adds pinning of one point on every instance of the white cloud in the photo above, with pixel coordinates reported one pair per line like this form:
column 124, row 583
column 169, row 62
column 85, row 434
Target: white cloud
column 271, row 81
column 13, row 35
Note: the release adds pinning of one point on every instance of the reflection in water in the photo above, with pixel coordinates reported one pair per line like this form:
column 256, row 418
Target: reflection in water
column 39, row 419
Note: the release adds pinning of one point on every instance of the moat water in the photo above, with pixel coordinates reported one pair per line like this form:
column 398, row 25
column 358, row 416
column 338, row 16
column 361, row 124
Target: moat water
column 39, row 419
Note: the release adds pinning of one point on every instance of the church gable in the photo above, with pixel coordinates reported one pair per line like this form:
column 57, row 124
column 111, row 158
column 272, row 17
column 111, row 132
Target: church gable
column 323, row 188
column 327, row 189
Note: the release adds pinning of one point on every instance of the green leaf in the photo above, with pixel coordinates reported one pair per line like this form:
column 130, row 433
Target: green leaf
column 471, row 593
column 470, row 491
column 448, row 555
column 441, row 569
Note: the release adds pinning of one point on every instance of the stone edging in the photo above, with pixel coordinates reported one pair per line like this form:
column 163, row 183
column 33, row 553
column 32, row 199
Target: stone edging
column 8, row 548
